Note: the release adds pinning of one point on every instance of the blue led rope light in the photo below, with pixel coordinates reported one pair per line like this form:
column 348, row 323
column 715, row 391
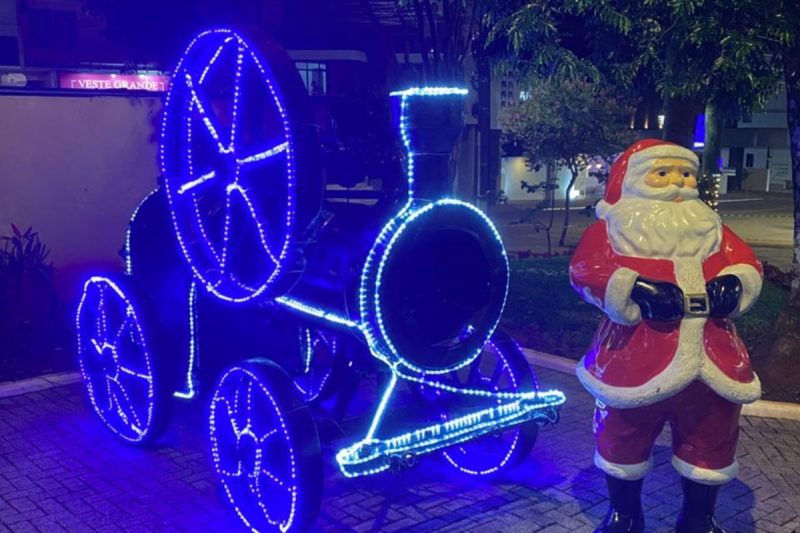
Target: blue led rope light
column 190, row 390
column 518, row 407
column 128, row 259
column 245, row 383
column 409, row 217
column 228, row 287
column 118, row 412
column 309, row 389
column 447, row 453
column 316, row 312
column 368, row 457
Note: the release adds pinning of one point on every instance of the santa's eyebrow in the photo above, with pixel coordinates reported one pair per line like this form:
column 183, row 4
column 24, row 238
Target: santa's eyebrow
column 681, row 168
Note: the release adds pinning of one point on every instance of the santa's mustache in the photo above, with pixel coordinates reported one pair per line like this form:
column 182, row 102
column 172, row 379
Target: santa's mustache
column 667, row 194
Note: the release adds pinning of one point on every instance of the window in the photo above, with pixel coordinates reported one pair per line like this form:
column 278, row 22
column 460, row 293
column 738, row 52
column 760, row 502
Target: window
column 50, row 28
column 315, row 77
column 748, row 160
column 9, row 50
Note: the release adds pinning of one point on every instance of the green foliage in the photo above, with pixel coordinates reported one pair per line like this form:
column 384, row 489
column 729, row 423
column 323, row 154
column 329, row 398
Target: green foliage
column 702, row 49
column 546, row 314
column 24, row 252
column 567, row 120
column 756, row 325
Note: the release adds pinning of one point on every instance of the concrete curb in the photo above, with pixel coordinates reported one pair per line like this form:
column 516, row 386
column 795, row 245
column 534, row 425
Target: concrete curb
column 48, row 381
column 760, row 408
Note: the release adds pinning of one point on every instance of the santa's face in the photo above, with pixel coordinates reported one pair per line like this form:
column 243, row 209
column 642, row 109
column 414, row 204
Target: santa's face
column 660, row 214
column 671, row 171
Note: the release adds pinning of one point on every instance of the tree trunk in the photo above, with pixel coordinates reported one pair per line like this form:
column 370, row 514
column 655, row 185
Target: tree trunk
column 488, row 186
column 713, row 139
column 778, row 365
column 793, row 122
column 680, row 118
column 550, row 199
column 680, row 112
column 563, row 240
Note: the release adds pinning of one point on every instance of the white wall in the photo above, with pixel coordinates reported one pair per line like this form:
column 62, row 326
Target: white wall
column 514, row 171
column 773, row 115
column 759, row 157
column 780, row 169
column 74, row 168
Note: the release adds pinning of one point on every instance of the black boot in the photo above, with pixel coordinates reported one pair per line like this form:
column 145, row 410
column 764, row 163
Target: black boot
column 625, row 513
column 697, row 514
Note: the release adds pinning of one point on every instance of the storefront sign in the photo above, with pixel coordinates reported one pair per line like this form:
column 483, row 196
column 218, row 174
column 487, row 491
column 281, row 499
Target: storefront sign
column 113, row 82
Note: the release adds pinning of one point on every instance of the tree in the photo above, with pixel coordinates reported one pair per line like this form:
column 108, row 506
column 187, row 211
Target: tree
column 698, row 54
column 565, row 122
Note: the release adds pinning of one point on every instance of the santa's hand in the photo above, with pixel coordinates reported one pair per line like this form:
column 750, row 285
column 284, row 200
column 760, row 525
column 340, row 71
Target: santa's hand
column 658, row 300
column 724, row 293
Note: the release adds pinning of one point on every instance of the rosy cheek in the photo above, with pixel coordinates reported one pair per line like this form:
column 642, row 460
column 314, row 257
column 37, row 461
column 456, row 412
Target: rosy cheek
column 657, row 181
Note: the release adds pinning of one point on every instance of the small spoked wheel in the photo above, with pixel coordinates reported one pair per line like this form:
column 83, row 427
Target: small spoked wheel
column 125, row 387
column 321, row 365
column 500, row 367
column 265, row 448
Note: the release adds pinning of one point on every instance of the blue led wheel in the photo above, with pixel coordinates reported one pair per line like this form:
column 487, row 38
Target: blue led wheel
column 321, row 365
column 228, row 154
column 500, row 367
column 265, row 448
column 125, row 385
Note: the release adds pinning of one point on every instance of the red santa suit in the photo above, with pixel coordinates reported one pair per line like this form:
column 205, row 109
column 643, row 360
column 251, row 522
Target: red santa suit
column 693, row 373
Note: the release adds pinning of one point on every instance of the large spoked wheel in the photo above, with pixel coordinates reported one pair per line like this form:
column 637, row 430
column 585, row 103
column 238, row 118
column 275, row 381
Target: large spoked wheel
column 125, row 385
column 500, row 367
column 229, row 157
column 265, row 448
column 321, row 366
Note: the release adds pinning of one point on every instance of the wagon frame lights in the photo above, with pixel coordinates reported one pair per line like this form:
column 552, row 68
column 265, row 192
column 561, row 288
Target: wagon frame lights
column 181, row 179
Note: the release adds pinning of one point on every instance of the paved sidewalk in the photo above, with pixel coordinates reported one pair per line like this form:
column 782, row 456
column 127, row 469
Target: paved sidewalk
column 60, row 471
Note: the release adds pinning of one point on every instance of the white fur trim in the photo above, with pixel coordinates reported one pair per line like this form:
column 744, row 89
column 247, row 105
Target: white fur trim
column 601, row 209
column 619, row 471
column 689, row 273
column 618, row 304
column 730, row 389
column 641, row 162
column 705, row 476
column 751, row 285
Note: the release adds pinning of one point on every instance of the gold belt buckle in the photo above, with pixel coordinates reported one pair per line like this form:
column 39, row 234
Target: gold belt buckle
column 696, row 304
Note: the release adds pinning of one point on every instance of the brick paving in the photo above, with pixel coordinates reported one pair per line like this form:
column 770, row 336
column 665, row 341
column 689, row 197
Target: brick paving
column 60, row 471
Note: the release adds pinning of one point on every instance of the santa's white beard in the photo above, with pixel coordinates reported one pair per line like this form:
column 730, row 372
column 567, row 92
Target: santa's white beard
column 654, row 228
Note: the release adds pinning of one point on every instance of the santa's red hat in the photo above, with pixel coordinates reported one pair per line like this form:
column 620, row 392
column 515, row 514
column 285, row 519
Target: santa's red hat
column 637, row 159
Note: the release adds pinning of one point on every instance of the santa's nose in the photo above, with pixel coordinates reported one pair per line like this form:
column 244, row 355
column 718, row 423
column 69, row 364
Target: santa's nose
column 676, row 179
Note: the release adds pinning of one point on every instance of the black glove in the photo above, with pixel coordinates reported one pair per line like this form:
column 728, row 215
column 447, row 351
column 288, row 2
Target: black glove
column 724, row 293
column 658, row 300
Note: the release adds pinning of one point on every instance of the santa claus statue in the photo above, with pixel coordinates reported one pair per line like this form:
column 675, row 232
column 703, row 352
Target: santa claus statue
column 670, row 277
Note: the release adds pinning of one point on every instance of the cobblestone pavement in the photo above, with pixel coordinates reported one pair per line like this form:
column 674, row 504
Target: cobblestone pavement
column 59, row 471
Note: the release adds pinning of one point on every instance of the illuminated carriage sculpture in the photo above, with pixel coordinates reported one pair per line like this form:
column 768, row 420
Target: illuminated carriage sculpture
column 289, row 300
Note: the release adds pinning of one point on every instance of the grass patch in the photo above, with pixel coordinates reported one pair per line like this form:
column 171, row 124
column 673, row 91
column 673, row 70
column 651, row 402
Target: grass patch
column 545, row 313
